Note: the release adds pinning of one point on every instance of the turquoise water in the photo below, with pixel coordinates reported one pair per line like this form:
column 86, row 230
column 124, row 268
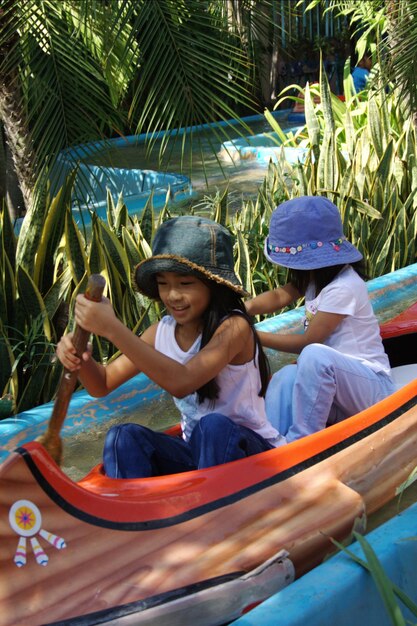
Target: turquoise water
column 208, row 170
column 84, row 450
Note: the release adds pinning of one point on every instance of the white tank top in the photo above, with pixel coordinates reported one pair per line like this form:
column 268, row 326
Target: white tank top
column 239, row 386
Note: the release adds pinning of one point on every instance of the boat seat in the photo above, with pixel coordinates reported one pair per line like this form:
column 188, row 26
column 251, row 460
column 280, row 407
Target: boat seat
column 404, row 374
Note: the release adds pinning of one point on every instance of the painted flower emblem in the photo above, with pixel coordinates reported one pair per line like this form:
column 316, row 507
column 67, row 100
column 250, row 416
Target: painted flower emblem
column 26, row 520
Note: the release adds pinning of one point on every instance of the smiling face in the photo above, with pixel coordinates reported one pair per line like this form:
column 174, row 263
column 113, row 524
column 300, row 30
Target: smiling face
column 185, row 297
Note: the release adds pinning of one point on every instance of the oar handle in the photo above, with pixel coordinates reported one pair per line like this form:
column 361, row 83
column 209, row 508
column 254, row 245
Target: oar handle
column 51, row 440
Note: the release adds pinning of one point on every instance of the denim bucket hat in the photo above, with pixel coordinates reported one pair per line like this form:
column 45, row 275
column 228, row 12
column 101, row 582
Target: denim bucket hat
column 306, row 233
column 189, row 245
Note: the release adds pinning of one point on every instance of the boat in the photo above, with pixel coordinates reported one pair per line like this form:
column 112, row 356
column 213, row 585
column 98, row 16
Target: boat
column 203, row 547
column 340, row 590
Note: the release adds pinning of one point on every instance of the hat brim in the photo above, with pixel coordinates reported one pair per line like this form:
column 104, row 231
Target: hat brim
column 144, row 274
column 315, row 258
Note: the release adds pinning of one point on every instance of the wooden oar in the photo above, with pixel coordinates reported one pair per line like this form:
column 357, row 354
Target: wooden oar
column 51, row 440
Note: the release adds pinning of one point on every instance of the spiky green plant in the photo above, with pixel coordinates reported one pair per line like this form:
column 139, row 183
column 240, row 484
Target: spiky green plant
column 36, row 307
column 361, row 154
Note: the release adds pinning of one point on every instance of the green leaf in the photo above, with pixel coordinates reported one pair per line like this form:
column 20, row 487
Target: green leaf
column 350, row 133
column 96, row 257
column 382, row 582
column 242, row 264
column 111, row 209
column 325, row 166
column 384, row 169
column 8, row 238
column 275, row 126
column 375, row 127
column 6, row 360
column 326, row 101
column 147, row 220
column 114, row 251
column 312, row 122
column 122, row 216
column 58, row 292
column 131, row 248
column 221, row 212
column 52, row 232
column 7, row 289
column 32, row 392
column 405, row 599
column 366, row 209
column 75, row 249
column 32, row 300
column 379, row 264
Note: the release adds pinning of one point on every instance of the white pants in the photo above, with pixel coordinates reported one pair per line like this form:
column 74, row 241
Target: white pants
column 323, row 388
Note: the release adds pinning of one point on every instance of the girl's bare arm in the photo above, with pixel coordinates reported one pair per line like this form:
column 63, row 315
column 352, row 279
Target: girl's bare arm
column 272, row 301
column 232, row 342
column 96, row 378
column 321, row 326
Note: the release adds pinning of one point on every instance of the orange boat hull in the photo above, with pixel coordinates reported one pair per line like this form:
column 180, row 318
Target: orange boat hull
column 93, row 551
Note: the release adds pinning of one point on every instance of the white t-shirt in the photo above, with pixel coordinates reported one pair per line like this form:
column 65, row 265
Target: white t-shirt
column 239, row 388
column 358, row 334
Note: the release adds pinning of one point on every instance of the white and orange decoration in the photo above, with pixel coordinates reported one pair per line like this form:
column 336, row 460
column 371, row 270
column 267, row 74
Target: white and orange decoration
column 26, row 520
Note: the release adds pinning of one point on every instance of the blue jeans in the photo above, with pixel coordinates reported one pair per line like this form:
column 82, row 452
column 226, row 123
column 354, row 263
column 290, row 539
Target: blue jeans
column 134, row 451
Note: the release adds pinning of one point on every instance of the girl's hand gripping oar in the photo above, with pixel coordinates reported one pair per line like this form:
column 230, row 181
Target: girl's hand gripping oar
column 51, row 440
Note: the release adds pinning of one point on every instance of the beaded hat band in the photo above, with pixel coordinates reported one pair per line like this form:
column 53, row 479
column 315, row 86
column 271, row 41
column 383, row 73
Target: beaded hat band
column 300, row 247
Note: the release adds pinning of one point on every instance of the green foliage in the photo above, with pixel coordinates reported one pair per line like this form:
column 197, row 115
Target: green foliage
column 368, row 21
column 38, row 290
column 42, row 273
column 83, row 70
column 26, row 331
column 387, row 29
column 362, row 155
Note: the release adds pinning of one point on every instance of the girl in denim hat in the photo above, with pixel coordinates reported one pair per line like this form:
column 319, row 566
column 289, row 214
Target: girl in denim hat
column 205, row 352
column 342, row 367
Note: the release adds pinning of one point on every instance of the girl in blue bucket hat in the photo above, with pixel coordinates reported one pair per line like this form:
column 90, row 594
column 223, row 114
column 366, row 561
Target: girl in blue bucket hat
column 342, row 367
column 205, row 352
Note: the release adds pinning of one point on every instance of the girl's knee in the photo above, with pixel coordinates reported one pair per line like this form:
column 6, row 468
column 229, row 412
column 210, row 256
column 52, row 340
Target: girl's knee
column 278, row 399
column 213, row 422
column 281, row 382
column 112, row 435
column 128, row 449
column 284, row 376
column 123, row 434
column 314, row 355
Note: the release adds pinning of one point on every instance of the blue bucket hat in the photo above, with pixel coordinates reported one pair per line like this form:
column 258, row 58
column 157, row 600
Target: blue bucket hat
column 189, row 245
column 306, row 233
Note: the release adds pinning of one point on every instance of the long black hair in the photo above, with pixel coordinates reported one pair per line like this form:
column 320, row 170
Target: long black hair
column 225, row 302
column 322, row 276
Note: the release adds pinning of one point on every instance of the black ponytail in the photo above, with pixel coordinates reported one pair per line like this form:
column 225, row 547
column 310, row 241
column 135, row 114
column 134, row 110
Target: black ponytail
column 322, row 276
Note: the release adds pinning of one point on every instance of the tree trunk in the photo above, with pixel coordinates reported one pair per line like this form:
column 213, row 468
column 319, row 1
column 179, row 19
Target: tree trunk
column 9, row 184
column 18, row 177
